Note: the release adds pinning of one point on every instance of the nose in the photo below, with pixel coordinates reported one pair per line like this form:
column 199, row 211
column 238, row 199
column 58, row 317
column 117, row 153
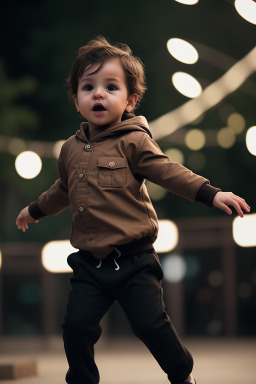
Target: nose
column 98, row 93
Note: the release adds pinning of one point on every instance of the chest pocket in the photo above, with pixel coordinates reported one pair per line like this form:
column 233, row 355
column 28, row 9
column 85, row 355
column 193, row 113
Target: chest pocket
column 112, row 171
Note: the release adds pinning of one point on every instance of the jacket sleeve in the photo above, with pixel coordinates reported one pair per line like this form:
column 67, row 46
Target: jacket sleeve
column 56, row 199
column 151, row 164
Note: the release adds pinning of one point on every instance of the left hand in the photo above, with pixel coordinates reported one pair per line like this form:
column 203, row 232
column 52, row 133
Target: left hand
column 223, row 200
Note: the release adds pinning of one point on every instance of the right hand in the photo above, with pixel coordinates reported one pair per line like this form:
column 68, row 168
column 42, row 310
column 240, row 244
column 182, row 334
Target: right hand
column 23, row 219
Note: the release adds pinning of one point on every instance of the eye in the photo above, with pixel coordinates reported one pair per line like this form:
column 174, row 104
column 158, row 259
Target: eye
column 111, row 87
column 88, row 87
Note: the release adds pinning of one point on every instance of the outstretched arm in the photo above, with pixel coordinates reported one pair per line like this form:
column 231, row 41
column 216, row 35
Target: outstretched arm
column 223, row 200
column 23, row 219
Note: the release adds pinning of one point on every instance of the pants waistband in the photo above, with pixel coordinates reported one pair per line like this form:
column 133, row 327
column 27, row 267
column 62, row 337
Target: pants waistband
column 136, row 246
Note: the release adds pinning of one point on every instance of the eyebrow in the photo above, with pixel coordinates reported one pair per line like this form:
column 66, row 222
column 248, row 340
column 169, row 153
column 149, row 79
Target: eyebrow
column 87, row 78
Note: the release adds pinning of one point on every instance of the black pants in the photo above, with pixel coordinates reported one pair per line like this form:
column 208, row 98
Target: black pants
column 137, row 288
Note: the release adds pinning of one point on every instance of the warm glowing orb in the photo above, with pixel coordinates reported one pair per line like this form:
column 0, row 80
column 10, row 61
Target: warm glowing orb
column 186, row 84
column 244, row 230
column 187, row 2
column 182, row 50
column 54, row 256
column 251, row 140
column 28, row 164
column 168, row 236
column 195, row 139
column 246, row 9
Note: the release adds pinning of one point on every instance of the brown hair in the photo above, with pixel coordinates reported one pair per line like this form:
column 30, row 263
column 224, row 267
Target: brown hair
column 99, row 50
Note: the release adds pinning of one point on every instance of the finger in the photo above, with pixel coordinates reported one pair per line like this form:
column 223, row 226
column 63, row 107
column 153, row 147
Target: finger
column 18, row 220
column 237, row 208
column 242, row 203
column 225, row 208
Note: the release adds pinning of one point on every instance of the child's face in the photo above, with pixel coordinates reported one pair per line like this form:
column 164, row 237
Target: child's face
column 102, row 97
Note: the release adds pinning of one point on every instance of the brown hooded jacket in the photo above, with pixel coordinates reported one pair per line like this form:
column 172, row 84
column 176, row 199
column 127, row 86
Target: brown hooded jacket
column 102, row 180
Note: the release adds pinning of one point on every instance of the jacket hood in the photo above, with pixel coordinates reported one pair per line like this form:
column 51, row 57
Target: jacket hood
column 137, row 123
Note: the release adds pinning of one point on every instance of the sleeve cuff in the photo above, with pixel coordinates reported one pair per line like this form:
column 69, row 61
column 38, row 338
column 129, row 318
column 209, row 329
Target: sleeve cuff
column 35, row 211
column 206, row 194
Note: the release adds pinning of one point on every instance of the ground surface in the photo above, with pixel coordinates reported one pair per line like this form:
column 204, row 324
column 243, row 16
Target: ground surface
column 221, row 361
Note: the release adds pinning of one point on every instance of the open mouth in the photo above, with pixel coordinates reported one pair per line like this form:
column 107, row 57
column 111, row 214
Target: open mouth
column 98, row 108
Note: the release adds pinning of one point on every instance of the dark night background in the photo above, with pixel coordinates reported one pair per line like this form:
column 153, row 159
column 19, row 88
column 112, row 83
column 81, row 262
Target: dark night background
column 40, row 40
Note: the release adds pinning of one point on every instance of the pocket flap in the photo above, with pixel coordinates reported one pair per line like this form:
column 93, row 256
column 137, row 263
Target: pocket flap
column 112, row 162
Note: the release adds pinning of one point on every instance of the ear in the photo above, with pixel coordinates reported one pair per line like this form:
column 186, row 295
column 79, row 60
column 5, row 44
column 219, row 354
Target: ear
column 76, row 102
column 131, row 102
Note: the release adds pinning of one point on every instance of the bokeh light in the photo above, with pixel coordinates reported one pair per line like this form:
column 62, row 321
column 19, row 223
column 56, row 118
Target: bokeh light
column 246, row 9
column 175, row 155
column 155, row 191
column 16, row 146
column 244, row 230
column 193, row 266
column 236, row 122
column 57, row 148
column 195, row 139
column 186, row 84
column 182, row 50
column 251, row 140
column 226, row 138
column 187, row 2
column 55, row 254
column 174, row 268
column 168, row 236
column 28, row 164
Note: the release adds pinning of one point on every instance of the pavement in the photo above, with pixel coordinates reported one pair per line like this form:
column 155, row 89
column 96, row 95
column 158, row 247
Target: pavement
column 221, row 361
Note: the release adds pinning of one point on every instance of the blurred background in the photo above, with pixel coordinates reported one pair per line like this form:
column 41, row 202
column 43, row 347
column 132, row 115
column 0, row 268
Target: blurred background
column 208, row 125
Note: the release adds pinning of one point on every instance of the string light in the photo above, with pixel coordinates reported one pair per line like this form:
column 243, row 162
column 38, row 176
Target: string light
column 182, row 50
column 168, row 236
column 175, row 155
column 251, row 140
column 28, row 164
column 226, row 138
column 244, row 230
column 186, row 84
column 187, row 2
column 195, row 139
column 54, row 256
column 246, row 9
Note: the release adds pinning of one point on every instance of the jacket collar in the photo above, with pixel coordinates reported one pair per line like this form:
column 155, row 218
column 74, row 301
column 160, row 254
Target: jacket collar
column 137, row 123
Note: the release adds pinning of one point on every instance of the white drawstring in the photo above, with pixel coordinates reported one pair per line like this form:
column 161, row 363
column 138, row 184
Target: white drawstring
column 119, row 254
column 117, row 265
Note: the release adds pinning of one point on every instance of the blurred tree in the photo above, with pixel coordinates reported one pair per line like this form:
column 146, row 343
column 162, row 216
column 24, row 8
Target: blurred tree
column 15, row 119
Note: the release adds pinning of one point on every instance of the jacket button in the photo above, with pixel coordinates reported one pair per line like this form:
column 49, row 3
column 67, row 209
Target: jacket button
column 81, row 176
column 87, row 147
column 81, row 209
column 111, row 164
